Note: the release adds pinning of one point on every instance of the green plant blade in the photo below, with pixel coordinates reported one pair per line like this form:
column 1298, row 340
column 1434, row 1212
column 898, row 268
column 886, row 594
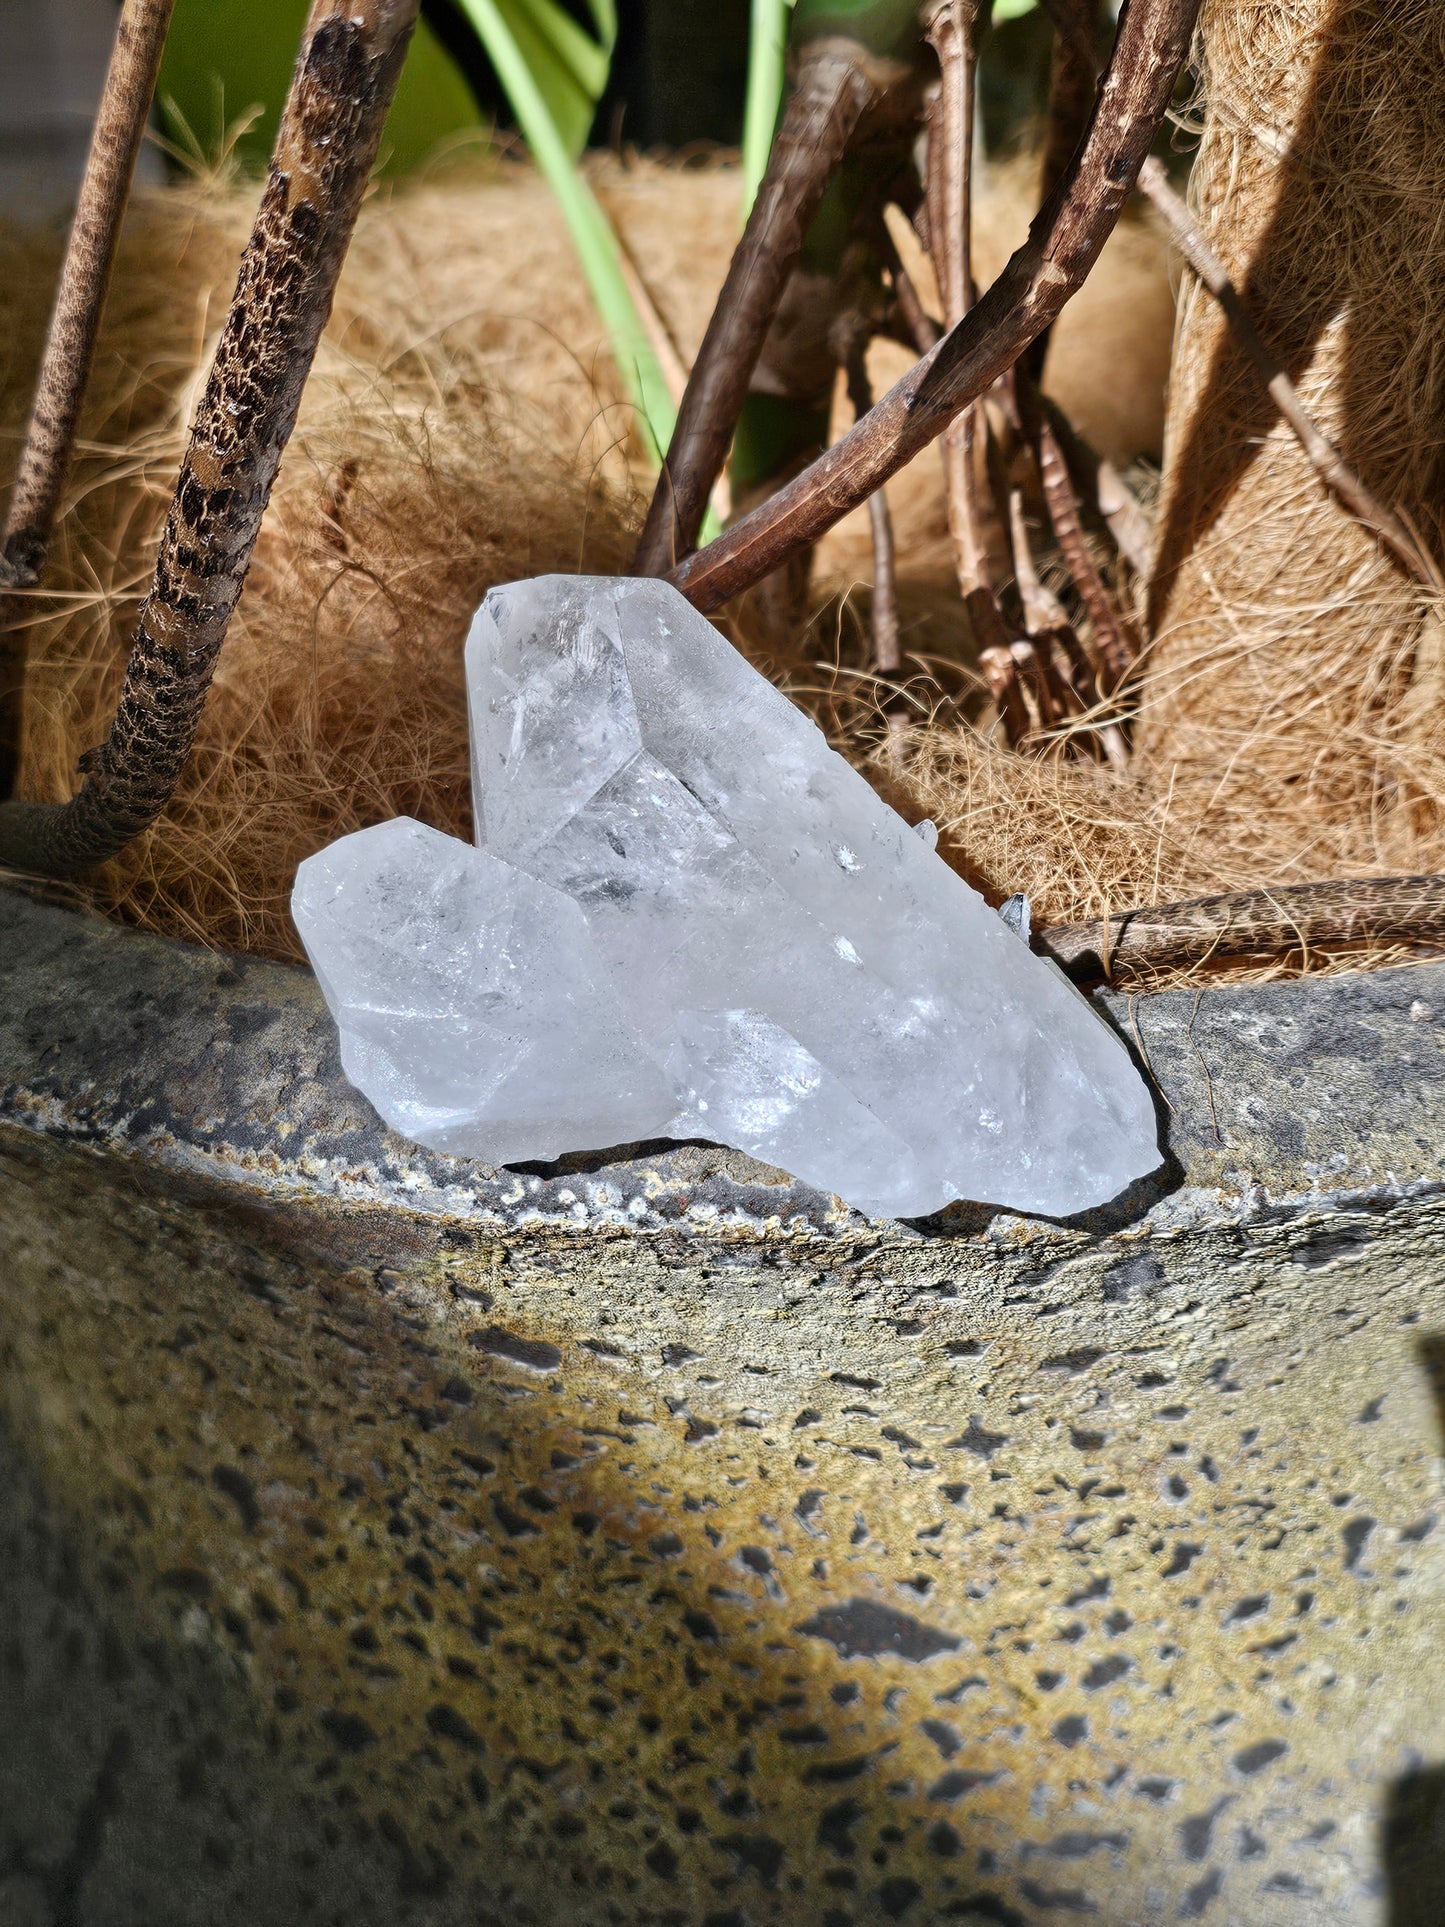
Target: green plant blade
column 228, row 64
column 767, row 70
column 569, row 67
column 591, row 232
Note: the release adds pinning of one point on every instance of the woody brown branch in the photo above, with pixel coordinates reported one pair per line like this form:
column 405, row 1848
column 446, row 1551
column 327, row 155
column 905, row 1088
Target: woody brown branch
column 887, row 654
column 1294, row 920
column 70, row 343
column 1073, row 79
column 350, row 59
column 830, row 96
column 951, row 30
column 1064, row 243
column 1057, row 644
column 1114, row 643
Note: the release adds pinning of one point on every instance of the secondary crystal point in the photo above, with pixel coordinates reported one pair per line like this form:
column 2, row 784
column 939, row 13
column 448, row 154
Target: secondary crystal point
column 689, row 917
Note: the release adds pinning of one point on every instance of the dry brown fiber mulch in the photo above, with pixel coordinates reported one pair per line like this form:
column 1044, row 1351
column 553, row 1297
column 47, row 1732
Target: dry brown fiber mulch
column 463, row 427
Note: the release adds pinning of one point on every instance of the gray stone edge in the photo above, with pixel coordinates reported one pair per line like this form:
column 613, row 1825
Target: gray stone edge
column 1275, row 1099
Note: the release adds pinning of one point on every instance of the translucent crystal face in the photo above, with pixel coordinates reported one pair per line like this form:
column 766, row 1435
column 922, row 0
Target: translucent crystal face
column 688, row 917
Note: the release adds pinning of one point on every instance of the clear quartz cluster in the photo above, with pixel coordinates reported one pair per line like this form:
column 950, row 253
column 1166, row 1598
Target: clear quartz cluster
column 686, row 916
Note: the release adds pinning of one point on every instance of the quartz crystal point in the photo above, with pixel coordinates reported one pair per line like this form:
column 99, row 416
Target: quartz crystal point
column 688, row 917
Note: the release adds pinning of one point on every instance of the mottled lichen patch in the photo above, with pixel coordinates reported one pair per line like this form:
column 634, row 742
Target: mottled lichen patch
column 541, row 1578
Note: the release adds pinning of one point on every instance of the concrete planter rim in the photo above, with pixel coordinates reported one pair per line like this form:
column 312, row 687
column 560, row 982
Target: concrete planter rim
column 1288, row 1096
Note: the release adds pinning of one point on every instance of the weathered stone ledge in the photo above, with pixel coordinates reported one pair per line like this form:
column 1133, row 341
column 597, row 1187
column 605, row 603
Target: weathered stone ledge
column 655, row 1543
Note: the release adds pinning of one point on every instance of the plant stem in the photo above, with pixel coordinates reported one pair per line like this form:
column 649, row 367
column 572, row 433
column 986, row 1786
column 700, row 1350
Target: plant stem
column 350, row 59
column 887, row 653
column 887, row 657
column 1297, row 918
column 70, row 345
column 950, row 28
column 1054, row 637
column 1103, row 490
column 1073, row 80
column 822, row 111
column 1115, row 645
column 1334, row 472
column 1063, row 245
column 591, row 232
column 1000, row 672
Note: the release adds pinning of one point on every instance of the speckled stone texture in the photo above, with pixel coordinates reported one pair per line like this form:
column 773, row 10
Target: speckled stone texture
column 382, row 1540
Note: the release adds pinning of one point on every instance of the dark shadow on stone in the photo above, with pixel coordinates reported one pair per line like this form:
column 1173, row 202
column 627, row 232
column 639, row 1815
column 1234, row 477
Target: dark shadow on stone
column 1297, row 288
column 579, row 1164
column 1119, row 1214
column 1413, row 1849
column 1431, row 1352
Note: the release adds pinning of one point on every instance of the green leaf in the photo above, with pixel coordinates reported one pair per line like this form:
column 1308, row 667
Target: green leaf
column 545, row 132
column 1012, row 9
column 767, row 70
column 569, row 67
column 228, row 65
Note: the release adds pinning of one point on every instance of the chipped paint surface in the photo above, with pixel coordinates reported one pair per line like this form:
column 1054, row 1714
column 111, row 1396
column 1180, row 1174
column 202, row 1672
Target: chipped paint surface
column 436, row 1558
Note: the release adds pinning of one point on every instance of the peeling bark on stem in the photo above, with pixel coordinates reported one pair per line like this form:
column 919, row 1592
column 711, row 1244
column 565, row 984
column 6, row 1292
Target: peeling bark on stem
column 1104, row 492
column 350, row 59
column 1056, row 642
column 1063, row 245
column 1294, row 919
column 130, row 83
column 1000, row 672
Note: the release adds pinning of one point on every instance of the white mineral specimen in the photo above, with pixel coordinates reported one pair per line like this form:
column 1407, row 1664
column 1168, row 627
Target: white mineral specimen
column 688, row 917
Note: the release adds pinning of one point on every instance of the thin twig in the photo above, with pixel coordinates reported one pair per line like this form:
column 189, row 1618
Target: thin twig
column 70, row 345
column 1099, row 485
column 84, row 279
column 822, row 110
column 1074, row 84
column 1057, row 643
column 1063, row 245
column 1043, row 612
column 1001, row 673
column 1115, row 643
column 887, row 653
column 1073, row 80
column 1295, row 919
column 1036, row 675
column 951, row 32
column 350, row 59
column 1334, row 472
column 1103, row 490
column 924, row 332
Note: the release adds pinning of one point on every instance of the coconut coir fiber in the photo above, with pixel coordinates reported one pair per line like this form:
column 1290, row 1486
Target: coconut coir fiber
column 463, row 427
